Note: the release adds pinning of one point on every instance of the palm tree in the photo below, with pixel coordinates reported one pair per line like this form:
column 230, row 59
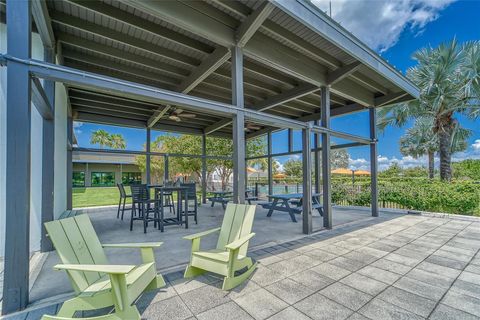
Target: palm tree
column 449, row 82
column 117, row 141
column 420, row 140
column 101, row 137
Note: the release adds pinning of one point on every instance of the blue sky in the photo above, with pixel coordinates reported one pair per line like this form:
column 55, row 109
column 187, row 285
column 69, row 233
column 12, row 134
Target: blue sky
column 406, row 26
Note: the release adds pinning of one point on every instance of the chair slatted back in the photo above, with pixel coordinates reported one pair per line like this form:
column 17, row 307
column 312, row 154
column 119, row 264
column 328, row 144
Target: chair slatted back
column 192, row 189
column 76, row 242
column 121, row 189
column 140, row 192
column 237, row 222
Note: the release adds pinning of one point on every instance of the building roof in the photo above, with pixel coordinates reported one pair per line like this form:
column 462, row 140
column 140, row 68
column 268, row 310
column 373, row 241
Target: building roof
column 102, row 157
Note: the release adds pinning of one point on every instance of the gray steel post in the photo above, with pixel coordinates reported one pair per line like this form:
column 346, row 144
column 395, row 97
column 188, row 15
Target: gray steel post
column 373, row 162
column 204, row 168
column 290, row 140
column 325, row 122
column 17, row 195
column 148, row 157
column 307, row 182
column 69, row 162
column 166, row 169
column 270, row 163
column 239, row 168
column 317, row 157
column 48, row 157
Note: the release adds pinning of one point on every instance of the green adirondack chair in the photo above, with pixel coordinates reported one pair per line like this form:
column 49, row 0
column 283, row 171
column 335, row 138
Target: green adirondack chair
column 98, row 284
column 229, row 257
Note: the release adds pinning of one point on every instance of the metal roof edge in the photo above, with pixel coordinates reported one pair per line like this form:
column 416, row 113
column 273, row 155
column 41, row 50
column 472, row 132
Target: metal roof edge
column 311, row 16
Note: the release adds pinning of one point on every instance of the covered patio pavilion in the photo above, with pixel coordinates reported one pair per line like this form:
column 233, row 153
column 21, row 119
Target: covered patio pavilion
column 278, row 64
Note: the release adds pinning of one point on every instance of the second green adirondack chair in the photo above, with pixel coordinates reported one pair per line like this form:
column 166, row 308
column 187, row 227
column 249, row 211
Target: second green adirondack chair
column 98, row 284
column 230, row 255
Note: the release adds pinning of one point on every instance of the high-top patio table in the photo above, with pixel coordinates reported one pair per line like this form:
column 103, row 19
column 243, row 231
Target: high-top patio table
column 282, row 202
column 182, row 195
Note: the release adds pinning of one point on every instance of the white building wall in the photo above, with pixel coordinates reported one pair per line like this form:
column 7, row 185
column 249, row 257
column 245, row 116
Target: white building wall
column 36, row 151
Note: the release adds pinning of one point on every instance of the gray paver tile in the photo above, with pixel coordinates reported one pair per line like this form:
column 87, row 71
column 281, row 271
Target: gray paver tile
column 289, row 290
column 462, row 302
column 204, row 298
column 467, row 288
column 408, row 301
column 364, row 284
column 391, row 266
column 289, row 314
column 411, row 262
column 439, row 269
column 242, row 289
column 269, row 259
column 312, row 279
column 264, row 276
column 430, row 278
column 357, row 316
column 470, row 277
column 320, row 255
column 227, row 311
column 346, row 296
column 383, row 246
column 473, row 268
column 319, row 307
column 332, row 271
column 261, row 304
column 379, row 274
column 335, row 249
column 360, row 256
column 446, row 262
column 420, row 288
column 182, row 285
column 349, row 264
column 444, row 312
column 172, row 308
column 381, row 310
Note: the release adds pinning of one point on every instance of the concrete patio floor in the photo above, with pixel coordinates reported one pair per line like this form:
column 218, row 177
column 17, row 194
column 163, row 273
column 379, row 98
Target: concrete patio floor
column 392, row 267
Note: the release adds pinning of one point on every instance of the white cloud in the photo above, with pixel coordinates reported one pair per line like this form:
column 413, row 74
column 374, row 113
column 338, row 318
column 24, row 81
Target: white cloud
column 380, row 23
column 476, row 145
column 473, row 152
column 76, row 127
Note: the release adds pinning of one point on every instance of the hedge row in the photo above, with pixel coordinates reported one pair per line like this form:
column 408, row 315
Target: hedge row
column 461, row 197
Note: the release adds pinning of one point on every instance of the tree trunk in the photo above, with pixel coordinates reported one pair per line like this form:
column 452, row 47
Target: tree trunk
column 444, row 135
column 431, row 165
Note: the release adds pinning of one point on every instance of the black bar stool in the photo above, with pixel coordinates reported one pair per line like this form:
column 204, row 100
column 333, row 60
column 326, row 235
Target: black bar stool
column 141, row 201
column 123, row 199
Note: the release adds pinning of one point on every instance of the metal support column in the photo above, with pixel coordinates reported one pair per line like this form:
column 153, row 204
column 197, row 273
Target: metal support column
column 373, row 162
column 148, row 157
column 48, row 157
column 166, row 170
column 270, row 163
column 290, row 140
column 17, row 195
column 239, row 168
column 325, row 122
column 204, row 168
column 69, row 161
column 307, row 182
column 317, row 157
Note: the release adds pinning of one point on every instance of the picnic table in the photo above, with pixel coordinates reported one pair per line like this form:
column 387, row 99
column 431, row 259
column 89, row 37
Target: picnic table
column 284, row 202
column 221, row 196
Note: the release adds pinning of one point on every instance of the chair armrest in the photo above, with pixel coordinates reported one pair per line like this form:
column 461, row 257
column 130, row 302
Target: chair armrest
column 238, row 243
column 133, row 245
column 201, row 234
column 102, row 268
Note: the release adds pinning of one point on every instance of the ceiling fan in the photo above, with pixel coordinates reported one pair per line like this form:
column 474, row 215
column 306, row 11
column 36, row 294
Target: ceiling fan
column 177, row 114
column 250, row 127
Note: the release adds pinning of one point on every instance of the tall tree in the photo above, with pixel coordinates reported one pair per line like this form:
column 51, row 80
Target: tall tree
column 117, row 141
column 449, row 80
column 421, row 140
column 293, row 168
column 100, row 137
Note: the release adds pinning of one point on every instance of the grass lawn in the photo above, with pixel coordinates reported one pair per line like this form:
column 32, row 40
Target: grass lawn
column 89, row 197
column 101, row 196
